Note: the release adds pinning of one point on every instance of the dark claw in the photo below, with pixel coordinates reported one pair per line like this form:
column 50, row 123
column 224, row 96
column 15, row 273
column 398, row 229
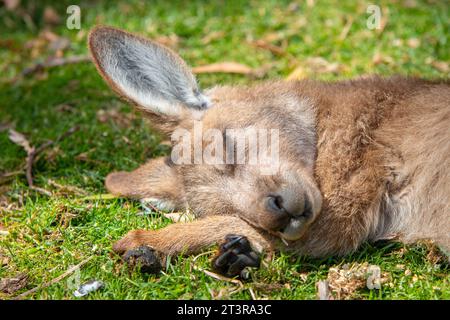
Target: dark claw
column 145, row 259
column 234, row 256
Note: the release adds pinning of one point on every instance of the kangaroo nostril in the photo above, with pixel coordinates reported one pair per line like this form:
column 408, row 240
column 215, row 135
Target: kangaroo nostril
column 307, row 210
column 275, row 204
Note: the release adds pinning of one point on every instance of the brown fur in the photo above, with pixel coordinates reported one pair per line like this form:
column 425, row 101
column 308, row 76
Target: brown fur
column 373, row 154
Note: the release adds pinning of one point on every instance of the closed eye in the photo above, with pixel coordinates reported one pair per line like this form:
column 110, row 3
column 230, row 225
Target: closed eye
column 226, row 169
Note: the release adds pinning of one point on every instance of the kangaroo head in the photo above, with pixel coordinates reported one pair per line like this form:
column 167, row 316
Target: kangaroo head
column 246, row 151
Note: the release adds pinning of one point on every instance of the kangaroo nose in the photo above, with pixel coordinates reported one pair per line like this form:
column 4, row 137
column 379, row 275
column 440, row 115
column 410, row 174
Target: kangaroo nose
column 294, row 208
column 275, row 204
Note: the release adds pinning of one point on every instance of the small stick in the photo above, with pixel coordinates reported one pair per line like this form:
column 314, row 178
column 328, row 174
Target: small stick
column 219, row 277
column 55, row 62
column 51, row 282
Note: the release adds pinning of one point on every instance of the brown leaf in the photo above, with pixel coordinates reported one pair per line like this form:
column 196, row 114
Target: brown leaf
column 11, row 285
column 320, row 65
column 278, row 51
column 84, row 156
column 51, row 16
column 441, row 66
column 224, row 67
column 379, row 58
column 20, row 140
column 212, row 36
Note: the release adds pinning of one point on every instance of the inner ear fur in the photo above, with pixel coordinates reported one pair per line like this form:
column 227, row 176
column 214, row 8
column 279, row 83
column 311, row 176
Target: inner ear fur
column 158, row 178
column 147, row 74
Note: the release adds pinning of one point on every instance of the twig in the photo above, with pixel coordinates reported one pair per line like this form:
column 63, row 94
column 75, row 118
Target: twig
column 218, row 276
column 252, row 293
column 55, row 280
column 72, row 189
column 54, row 62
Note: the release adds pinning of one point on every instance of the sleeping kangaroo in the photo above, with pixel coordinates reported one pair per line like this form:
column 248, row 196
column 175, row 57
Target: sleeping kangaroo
column 359, row 160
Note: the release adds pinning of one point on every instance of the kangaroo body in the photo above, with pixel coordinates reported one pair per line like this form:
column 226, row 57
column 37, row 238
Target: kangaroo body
column 383, row 159
column 360, row 160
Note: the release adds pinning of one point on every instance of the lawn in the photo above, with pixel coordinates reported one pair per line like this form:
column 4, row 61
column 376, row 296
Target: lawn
column 43, row 235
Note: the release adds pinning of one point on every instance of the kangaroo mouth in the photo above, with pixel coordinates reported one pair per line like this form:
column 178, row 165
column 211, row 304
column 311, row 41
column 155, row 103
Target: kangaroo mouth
column 294, row 230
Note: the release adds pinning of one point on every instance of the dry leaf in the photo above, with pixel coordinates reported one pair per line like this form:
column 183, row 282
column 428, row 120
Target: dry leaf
column 268, row 46
column 20, row 140
column 224, row 67
column 378, row 58
column 320, row 65
column 11, row 285
column 441, row 66
column 212, row 36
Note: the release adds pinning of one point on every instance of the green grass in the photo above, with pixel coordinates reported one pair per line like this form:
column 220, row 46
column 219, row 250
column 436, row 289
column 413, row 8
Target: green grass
column 48, row 235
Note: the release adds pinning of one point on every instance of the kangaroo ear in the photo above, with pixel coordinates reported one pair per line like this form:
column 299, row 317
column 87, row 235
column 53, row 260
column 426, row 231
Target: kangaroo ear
column 148, row 74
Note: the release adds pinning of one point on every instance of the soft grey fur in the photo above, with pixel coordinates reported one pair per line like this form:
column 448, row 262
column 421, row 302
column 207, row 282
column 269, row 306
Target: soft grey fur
column 149, row 73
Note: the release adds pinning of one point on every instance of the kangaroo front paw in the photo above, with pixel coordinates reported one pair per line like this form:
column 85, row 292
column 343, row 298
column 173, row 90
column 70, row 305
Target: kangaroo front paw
column 234, row 256
column 144, row 259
